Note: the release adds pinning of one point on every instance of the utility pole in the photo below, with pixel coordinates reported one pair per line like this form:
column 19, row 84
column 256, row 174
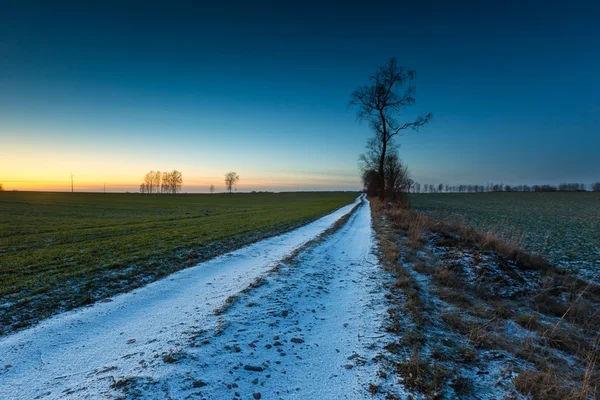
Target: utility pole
column 104, row 187
column 72, row 182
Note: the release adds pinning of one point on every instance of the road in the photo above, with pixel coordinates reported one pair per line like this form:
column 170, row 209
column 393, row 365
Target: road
column 254, row 323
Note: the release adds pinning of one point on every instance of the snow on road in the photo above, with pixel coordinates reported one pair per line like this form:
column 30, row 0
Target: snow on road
column 310, row 331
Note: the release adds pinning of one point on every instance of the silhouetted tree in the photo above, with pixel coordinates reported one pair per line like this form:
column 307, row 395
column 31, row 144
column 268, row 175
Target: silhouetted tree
column 370, row 180
column 231, row 179
column 176, row 181
column 211, row 189
column 165, row 182
column 596, row 187
column 380, row 103
column 1, row 188
column 396, row 176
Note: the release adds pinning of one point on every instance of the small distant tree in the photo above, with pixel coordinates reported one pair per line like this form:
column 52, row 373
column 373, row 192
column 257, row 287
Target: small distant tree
column 212, row 189
column 1, row 188
column 231, row 179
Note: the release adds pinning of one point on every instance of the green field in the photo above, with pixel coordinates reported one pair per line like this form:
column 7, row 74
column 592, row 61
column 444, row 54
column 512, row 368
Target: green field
column 62, row 250
column 564, row 227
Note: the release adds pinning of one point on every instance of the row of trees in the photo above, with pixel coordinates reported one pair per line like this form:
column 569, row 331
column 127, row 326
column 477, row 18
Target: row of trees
column 380, row 103
column 171, row 182
column 491, row 187
column 162, row 182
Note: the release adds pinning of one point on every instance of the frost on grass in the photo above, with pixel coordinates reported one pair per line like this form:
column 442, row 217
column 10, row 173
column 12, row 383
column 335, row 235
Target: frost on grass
column 475, row 317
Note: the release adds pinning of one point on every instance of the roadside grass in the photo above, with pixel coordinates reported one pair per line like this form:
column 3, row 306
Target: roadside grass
column 473, row 313
column 63, row 250
column 563, row 227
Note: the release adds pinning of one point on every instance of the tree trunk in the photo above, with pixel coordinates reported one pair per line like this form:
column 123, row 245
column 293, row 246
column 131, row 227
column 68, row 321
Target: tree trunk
column 382, row 172
column 382, row 158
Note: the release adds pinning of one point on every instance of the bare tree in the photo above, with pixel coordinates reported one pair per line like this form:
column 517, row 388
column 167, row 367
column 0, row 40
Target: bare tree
column 149, row 182
column 156, row 179
column 176, row 181
column 211, row 189
column 396, row 176
column 381, row 101
column 596, row 187
column 370, row 179
column 165, row 182
column 1, row 188
column 231, row 179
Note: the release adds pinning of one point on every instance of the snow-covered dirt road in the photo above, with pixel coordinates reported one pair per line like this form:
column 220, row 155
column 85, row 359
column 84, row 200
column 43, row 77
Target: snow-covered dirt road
column 306, row 329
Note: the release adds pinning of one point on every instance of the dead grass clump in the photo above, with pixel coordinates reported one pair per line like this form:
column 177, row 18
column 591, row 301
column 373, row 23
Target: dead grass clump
column 467, row 354
column 451, row 296
column 462, row 385
column 446, row 277
column 563, row 337
column 416, row 224
column 423, row 268
column 412, row 337
column 502, row 309
column 422, row 375
column 528, row 321
column 546, row 385
column 390, row 252
column 550, row 305
column 457, row 322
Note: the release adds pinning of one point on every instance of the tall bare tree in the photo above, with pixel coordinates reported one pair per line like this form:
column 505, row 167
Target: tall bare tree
column 1, row 188
column 176, row 181
column 156, row 179
column 211, row 189
column 165, row 182
column 380, row 103
column 231, row 178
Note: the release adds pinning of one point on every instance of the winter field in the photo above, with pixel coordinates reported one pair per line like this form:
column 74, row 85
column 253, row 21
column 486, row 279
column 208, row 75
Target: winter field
column 370, row 300
column 564, row 227
column 63, row 250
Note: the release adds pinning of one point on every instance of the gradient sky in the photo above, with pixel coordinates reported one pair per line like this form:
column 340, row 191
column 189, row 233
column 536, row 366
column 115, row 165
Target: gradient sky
column 112, row 90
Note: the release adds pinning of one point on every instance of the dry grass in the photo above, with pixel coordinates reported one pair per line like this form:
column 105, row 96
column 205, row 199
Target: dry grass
column 549, row 385
column 561, row 310
column 422, row 375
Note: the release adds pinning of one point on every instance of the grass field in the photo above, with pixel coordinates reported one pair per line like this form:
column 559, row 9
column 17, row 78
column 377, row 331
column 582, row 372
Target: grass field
column 564, row 227
column 63, row 250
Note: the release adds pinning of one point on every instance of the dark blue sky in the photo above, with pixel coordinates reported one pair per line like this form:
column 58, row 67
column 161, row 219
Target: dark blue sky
column 262, row 88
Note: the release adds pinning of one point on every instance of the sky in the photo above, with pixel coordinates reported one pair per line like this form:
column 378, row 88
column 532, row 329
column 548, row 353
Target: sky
column 111, row 90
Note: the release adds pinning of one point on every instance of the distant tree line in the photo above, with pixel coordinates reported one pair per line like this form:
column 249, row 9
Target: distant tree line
column 162, row 182
column 416, row 187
